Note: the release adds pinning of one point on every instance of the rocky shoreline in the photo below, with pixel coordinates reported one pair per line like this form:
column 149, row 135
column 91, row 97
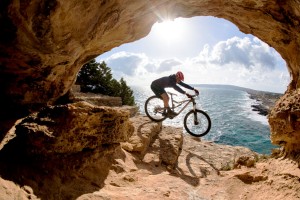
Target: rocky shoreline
column 264, row 101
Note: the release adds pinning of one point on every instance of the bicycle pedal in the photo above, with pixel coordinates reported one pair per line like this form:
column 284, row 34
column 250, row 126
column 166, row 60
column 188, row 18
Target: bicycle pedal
column 171, row 116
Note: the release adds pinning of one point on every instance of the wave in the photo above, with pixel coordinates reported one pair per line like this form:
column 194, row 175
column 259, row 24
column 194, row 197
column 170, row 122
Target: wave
column 249, row 113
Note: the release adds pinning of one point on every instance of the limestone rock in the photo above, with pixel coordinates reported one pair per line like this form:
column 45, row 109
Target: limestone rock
column 43, row 176
column 153, row 143
column 144, row 131
column 100, row 100
column 96, row 99
column 248, row 161
column 8, row 189
column 45, row 43
column 203, row 170
column 73, row 127
column 212, row 157
column 284, row 121
column 165, row 147
column 133, row 110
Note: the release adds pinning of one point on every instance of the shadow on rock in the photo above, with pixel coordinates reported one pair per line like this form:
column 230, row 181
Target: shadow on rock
column 203, row 170
column 57, row 176
column 190, row 175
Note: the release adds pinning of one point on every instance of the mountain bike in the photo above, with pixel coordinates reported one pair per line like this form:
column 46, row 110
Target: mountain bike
column 196, row 122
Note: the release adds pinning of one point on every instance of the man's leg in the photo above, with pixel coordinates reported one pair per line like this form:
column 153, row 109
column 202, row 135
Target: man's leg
column 160, row 92
column 167, row 110
column 165, row 98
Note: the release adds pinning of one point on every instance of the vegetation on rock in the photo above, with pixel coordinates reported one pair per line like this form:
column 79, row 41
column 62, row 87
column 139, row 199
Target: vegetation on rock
column 97, row 78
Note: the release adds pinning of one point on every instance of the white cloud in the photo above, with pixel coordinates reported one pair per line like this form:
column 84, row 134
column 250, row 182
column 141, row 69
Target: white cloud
column 124, row 62
column 242, row 51
column 238, row 61
column 167, row 65
column 134, row 64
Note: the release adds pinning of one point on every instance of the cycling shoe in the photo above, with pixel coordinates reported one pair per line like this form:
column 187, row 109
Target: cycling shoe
column 170, row 114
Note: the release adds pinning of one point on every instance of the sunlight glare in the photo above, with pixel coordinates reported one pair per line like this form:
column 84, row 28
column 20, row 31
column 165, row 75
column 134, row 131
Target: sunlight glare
column 169, row 31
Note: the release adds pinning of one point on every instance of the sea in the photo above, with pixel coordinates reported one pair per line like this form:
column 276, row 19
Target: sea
column 233, row 120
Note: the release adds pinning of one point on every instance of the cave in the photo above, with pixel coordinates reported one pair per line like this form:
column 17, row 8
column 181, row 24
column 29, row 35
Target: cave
column 45, row 43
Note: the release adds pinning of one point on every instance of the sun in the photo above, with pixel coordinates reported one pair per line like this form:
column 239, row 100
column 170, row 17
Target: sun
column 169, row 31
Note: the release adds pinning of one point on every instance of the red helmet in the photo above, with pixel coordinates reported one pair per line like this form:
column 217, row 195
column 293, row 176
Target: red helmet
column 180, row 75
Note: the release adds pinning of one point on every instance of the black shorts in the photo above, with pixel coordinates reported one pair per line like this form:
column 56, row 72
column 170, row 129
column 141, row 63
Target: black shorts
column 158, row 91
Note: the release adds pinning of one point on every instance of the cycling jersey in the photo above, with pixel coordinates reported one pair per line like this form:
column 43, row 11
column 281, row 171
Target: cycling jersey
column 158, row 86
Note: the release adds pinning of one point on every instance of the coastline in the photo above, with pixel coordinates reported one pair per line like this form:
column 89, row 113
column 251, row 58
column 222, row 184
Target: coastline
column 264, row 100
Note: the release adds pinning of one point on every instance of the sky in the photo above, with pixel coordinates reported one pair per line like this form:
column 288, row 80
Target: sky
column 207, row 50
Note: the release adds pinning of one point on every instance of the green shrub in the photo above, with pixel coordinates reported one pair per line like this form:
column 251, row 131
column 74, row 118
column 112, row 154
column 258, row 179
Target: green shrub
column 97, row 78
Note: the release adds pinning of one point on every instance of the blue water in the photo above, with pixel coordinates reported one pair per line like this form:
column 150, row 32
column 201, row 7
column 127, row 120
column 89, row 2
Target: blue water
column 233, row 121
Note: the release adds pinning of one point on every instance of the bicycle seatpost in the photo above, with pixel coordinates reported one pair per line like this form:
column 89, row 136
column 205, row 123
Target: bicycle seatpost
column 172, row 99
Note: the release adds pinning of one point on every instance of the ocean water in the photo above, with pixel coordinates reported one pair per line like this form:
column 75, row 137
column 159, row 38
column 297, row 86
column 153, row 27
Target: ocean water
column 233, row 121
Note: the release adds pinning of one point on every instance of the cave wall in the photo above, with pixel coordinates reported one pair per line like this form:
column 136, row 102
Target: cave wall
column 43, row 43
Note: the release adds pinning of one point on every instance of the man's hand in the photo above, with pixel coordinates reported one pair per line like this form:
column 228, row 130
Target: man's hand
column 188, row 95
column 196, row 91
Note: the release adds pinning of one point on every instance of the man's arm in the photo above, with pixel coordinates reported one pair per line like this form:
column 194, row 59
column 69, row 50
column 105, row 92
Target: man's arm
column 178, row 89
column 188, row 87
column 185, row 85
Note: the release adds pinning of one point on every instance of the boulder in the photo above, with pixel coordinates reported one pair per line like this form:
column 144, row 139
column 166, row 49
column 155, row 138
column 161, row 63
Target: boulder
column 144, row 131
column 73, row 127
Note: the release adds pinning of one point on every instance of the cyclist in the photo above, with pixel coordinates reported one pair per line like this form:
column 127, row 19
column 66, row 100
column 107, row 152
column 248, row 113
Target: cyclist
column 158, row 87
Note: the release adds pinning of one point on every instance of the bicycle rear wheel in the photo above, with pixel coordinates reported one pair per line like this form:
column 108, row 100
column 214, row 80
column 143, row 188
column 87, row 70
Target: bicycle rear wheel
column 154, row 108
column 197, row 123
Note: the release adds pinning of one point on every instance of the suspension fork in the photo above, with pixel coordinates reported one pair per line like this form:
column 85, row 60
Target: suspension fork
column 194, row 105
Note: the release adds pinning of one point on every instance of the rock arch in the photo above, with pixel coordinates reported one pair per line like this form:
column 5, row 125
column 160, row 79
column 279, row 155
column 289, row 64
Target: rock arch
column 45, row 42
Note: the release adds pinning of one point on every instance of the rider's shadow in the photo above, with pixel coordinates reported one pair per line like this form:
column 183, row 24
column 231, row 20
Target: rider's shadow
column 143, row 138
column 195, row 168
column 191, row 167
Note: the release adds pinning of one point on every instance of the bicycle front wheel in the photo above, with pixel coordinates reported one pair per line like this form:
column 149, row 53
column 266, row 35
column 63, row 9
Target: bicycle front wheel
column 154, row 108
column 197, row 123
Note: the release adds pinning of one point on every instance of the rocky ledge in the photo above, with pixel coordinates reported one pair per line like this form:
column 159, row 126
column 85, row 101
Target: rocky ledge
column 56, row 154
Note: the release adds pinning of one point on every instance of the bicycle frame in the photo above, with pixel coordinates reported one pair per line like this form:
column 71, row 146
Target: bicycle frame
column 176, row 104
column 196, row 121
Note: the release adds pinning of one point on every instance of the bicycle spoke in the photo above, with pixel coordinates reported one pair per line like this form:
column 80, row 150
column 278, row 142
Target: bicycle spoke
column 154, row 108
column 197, row 123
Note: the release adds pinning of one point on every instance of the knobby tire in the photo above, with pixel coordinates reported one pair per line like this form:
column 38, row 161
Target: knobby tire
column 150, row 103
column 202, row 128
